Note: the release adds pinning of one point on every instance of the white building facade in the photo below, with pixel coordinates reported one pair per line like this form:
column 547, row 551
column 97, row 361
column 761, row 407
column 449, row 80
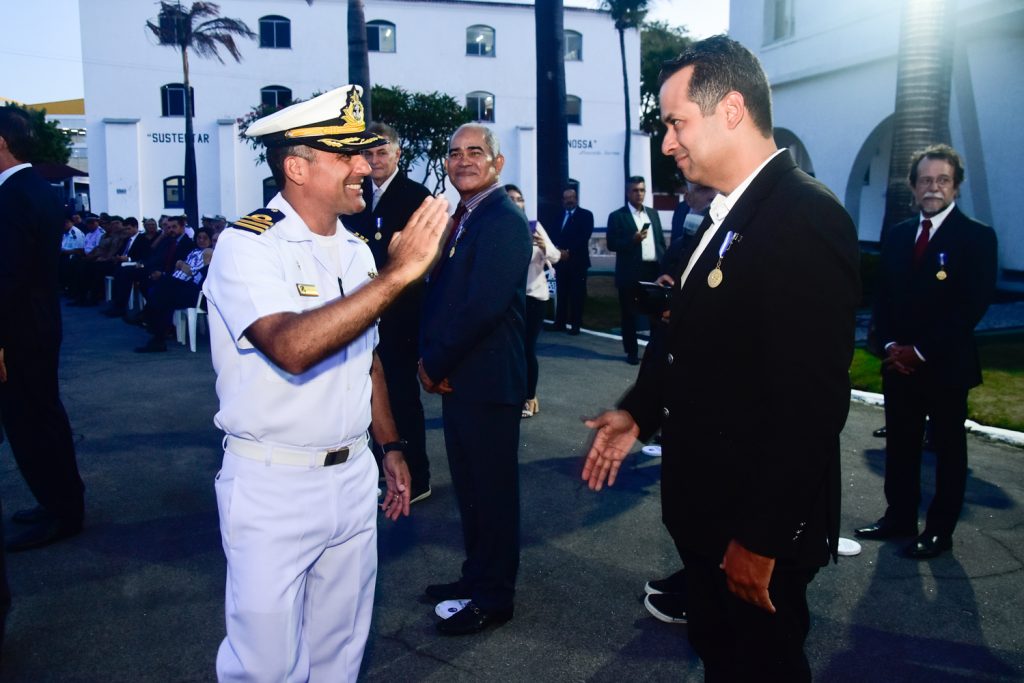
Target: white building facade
column 478, row 51
column 832, row 67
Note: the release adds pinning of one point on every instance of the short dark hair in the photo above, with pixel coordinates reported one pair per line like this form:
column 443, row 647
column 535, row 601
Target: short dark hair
column 16, row 129
column 635, row 180
column 512, row 188
column 720, row 66
column 204, row 231
column 132, row 220
column 940, row 151
column 277, row 155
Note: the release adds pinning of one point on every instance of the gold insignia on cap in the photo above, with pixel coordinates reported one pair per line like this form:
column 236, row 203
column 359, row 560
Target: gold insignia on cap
column 351, row 115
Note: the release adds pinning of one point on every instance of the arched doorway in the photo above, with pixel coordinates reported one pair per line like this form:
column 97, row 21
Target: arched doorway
column 865, row 188
column 787, row 138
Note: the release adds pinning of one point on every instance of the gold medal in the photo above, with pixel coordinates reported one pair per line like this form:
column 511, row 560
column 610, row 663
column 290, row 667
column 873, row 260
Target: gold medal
column 715, row 278
column 941, row 275
column 451, row 253
column 378, row 236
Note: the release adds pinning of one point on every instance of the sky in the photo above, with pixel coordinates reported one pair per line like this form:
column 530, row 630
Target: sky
column 41, row 57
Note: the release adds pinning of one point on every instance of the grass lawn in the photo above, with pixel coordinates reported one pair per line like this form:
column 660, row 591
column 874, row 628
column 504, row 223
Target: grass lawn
column 998, row 402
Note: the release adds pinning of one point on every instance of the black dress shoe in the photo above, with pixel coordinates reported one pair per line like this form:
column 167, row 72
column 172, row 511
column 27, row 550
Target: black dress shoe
column 43, row 533
column 632, row 360
column 472, row 619
column 884, row 529
column 574, row 332
column 928, row 546
column 31, row 515
column 879, row 433
column 440, row 592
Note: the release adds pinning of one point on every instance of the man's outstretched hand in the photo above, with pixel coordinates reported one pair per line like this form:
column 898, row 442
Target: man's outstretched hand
column 616, row 433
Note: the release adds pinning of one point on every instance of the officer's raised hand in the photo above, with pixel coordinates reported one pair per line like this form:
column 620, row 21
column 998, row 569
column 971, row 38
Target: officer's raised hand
column 414, row 248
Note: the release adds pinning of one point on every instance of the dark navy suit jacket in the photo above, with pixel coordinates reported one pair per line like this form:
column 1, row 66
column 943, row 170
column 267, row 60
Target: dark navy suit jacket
column 575, row 237
column 30, row 233
column 744, row 362
column 474, row 313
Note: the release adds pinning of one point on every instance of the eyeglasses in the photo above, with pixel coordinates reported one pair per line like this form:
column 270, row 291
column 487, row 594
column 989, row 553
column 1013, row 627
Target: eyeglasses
column 941, row 181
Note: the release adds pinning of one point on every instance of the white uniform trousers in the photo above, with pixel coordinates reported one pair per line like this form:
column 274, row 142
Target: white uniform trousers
column 301, row 548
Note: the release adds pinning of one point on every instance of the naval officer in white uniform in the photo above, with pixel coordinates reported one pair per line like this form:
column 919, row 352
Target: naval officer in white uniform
column 294, row 300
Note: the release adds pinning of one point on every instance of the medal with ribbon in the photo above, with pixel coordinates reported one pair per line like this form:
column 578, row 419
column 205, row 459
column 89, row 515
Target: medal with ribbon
column 379, row 234
column 716, row 276
column 942, row 275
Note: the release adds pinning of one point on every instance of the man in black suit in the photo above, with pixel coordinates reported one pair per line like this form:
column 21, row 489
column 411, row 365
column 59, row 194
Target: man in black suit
column 33, row 416
column 136, row 251
column 938, row 276
column 169, row 247
column 760, row 338
column 391, row 198
column 634, row 234
column 473, row 354
column 573, row 241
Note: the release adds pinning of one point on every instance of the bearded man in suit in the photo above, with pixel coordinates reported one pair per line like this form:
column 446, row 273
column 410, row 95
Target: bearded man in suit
column 31, row 220
column 391, row 199
column 938, row 277
column 761, row 337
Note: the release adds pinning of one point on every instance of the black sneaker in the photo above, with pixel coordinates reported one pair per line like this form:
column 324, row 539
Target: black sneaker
column 667, row 607
column 671, row 584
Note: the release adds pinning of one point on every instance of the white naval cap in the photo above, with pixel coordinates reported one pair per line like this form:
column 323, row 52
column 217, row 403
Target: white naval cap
column 331, row 122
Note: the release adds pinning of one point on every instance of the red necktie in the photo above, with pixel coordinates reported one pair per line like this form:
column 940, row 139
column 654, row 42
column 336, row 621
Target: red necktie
column 460, row 211
column 922, row 242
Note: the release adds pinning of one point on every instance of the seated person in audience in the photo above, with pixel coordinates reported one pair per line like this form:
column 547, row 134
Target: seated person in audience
column 129, row 266
column 71, row 245
column 87, row 272
column 179, row 289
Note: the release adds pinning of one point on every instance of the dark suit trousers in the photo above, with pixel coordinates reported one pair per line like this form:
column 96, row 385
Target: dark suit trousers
column 627, row 311
column 571, row 294
column 400, row 360
column 534, row 323
column 483, row 443
column 39, row 432
column 739, row 642
column 124, row 279
column 908, row 400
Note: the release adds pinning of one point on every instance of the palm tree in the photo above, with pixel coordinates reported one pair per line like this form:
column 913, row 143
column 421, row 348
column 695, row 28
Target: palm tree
column 201, row 29
column 552, row 132
column 358, row 53
column 627, row 14
column 923, row 82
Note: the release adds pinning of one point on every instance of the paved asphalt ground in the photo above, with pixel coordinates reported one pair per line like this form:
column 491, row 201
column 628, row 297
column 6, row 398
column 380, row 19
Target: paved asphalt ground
column 138, row 595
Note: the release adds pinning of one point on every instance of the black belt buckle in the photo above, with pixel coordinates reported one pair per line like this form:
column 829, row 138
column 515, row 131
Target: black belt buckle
column 337, row 457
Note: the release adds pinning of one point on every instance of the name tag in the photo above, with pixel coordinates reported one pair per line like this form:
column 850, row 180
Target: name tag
column 307, row 290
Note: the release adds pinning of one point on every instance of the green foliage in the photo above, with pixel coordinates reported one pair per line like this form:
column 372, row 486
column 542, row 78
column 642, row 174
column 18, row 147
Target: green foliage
column 659, row 43
column 52, row 145
column 424, row 123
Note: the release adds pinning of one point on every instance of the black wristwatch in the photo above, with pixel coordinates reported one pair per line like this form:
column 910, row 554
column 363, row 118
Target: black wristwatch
column 399, row 445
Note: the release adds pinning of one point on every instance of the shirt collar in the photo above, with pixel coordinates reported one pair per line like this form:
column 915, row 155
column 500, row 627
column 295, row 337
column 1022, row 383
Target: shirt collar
column 721, row 205
column 938, row 218
column 11, row 171
column 475, row 200
column 383, row 186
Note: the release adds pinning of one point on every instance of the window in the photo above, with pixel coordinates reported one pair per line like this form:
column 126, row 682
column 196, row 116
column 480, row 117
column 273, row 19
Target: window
column 174, row 192
column 380, row 36
column 481, row 105
column 573, row 46
column 275, row 96
column 778, row 20
column 269, row 189
column 275, row 32
column 172, row 100
column 573, row 109
column 480, row 41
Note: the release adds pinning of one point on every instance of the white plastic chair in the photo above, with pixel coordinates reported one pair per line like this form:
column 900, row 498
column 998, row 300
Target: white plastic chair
column 186, row 321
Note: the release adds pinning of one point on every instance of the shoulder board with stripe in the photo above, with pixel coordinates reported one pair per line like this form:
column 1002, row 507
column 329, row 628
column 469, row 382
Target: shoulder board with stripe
column 258, row 221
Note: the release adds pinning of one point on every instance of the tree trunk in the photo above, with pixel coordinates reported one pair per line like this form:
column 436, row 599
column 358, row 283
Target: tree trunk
column 191, row 176
column 552, row 134
column 358, row 54
column 923, row 82
column 625, row 98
